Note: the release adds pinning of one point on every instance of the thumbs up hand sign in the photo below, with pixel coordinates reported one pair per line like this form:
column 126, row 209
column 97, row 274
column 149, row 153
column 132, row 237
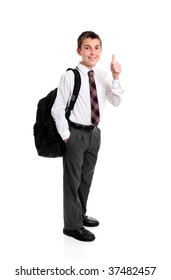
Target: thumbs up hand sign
column 115, row 68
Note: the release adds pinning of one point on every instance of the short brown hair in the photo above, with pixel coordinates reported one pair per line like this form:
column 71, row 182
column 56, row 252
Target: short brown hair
column 87, row 34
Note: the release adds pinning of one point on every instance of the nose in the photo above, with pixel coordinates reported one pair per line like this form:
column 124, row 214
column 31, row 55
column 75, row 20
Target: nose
column 92, row 51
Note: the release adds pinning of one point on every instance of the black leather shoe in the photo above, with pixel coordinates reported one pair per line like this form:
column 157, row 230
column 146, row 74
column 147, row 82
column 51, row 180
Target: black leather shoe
column 81, row 234
column 90, row 222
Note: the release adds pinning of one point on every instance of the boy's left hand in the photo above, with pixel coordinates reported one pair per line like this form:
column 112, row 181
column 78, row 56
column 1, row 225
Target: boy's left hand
column 115, row 68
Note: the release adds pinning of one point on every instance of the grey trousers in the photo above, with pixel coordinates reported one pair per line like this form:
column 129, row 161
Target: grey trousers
column 78, row 164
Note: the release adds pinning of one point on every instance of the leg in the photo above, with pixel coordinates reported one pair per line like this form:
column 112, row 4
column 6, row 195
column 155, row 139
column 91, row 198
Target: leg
column 73, row 162
column 89, row 162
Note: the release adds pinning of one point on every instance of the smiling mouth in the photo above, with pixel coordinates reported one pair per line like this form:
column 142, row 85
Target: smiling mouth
column 92, row 58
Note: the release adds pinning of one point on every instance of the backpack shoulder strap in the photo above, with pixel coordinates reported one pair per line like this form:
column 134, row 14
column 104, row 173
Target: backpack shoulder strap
column 77, row 84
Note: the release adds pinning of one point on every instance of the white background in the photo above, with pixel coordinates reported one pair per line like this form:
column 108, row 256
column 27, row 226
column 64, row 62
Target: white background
column 131, row 188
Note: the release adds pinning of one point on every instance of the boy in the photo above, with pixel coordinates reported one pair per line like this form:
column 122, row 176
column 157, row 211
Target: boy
column 81, row 133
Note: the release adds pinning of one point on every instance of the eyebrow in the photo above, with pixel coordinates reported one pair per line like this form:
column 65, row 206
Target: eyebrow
column 90, row 45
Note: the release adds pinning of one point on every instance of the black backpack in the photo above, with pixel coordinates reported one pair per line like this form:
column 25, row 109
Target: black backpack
column 47, row 140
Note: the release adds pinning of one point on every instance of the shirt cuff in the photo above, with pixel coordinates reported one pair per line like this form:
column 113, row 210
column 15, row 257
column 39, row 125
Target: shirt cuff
column 65, row 134
column 116, row 84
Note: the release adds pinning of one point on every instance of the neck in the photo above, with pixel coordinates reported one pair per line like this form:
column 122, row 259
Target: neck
column 87, row 66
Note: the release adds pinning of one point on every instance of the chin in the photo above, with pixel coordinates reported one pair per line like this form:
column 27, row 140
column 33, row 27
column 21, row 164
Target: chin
column 92, row 64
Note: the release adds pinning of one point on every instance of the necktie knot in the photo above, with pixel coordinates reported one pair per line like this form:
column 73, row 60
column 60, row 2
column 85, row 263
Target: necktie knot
column 91, row 73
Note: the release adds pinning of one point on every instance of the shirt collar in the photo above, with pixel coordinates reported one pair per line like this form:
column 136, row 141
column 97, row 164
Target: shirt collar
column 84, row 69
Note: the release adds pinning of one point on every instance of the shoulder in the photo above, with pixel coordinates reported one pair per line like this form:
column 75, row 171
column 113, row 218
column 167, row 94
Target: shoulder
column 67, row 77
column 67, row 74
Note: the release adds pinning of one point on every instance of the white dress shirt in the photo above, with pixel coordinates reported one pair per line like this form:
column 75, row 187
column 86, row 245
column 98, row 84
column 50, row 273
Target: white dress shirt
column 107, row 88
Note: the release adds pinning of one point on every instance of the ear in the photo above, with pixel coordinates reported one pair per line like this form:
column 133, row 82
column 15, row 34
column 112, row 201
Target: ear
column 79, row 51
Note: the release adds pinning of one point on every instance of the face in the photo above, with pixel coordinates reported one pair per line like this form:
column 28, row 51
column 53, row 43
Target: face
column 90, row 52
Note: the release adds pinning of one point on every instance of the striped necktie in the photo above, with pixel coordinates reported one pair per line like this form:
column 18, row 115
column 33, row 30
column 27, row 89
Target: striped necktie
column 95, row 114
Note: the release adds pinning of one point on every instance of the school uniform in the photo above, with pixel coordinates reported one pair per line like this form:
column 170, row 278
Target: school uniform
column 84, row 138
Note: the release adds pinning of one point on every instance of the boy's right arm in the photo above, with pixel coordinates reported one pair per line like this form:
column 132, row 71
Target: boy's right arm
column 59, row 106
